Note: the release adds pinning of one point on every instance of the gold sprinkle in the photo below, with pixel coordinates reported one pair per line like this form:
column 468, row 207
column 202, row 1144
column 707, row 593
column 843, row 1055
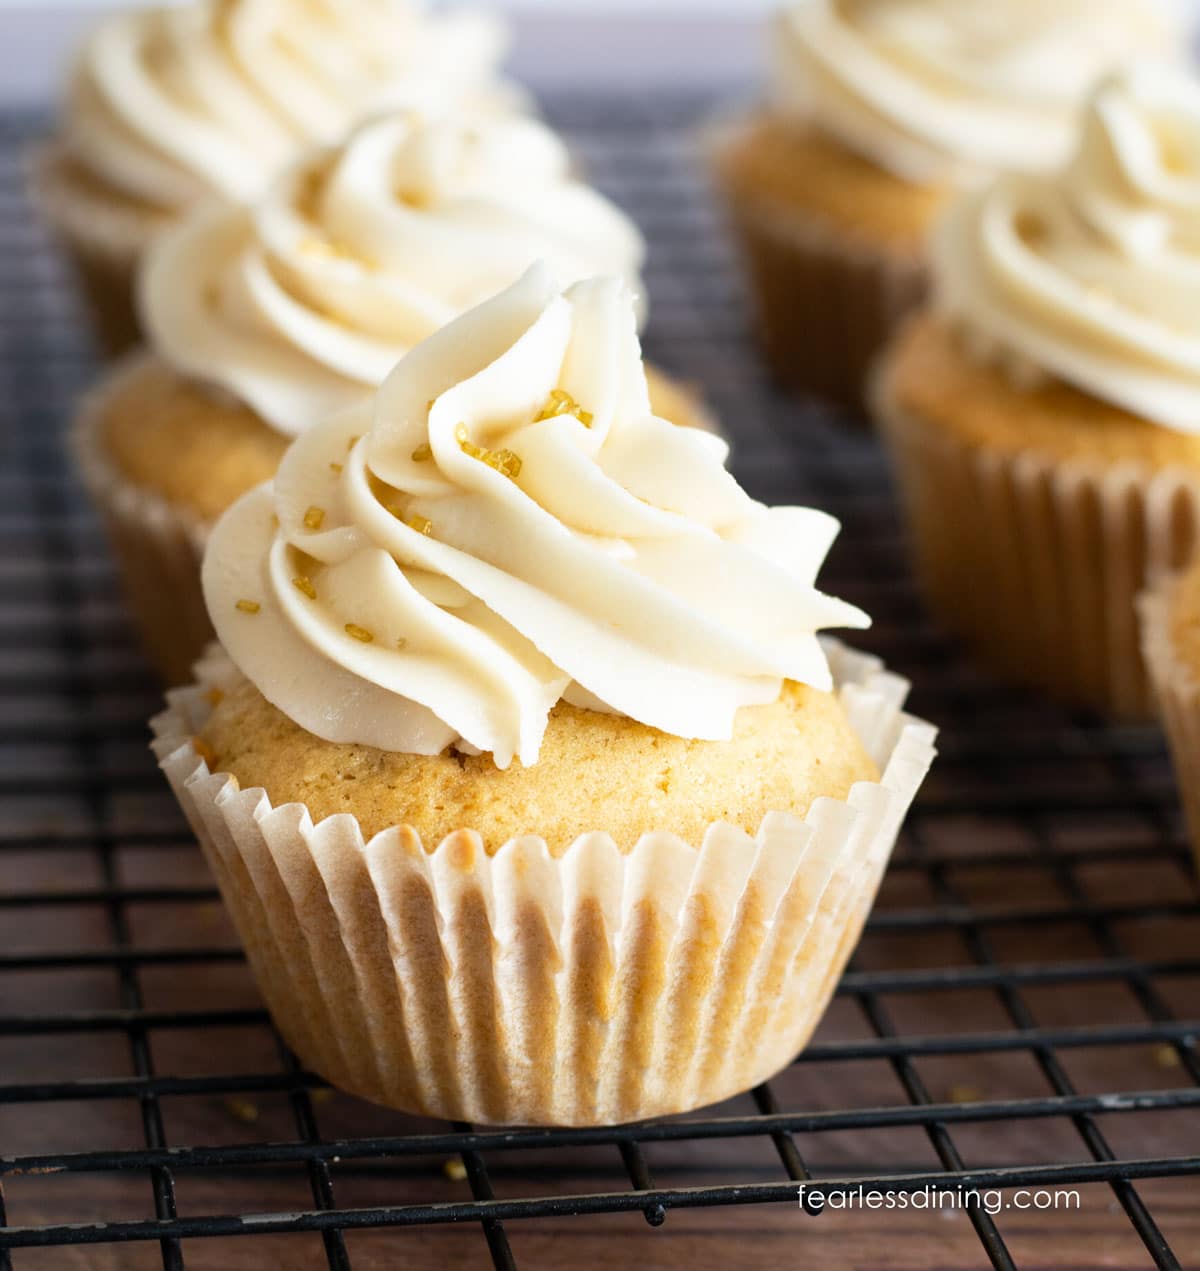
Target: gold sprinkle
column 336, row 467
column 422, row 524
column 322, row 1094
column 248, row 606
column 1166, row 1057
column 562, row 403
column 327, row 249
column 314, row 518
column 423, row 453
column 455, row 1170
column 305, row 585
column 359, row 633
column 505, row 462
column 206, row 752
column 963, row 1094
column 242, row 1110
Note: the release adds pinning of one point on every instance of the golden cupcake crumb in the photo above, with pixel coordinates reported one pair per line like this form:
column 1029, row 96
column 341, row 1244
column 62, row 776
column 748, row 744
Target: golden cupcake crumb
column 803, row 173
column 595, row 772
column 930, row 375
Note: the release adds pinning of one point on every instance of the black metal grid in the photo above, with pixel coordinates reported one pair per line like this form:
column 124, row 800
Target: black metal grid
column 1023, row 1010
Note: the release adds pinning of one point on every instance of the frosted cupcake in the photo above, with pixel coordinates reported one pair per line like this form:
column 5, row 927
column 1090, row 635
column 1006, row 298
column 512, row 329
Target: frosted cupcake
column 877, row 113
column 1044, row 414
column 529, row 786
column 264, row 321
column 169, row 106
column 1171, row 642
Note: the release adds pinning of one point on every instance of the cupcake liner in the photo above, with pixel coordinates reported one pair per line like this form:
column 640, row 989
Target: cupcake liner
column 826, row 300
column 157, row 546
column 103, row 239
column 1177, row 689
column 1037, row 562
column 521, row 988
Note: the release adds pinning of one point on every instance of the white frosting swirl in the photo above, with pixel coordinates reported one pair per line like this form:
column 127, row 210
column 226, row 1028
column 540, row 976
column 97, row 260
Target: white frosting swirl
column 451, row 573
column 943, row 90
column 306, row 303
column 1093, row 275
column 169, row 105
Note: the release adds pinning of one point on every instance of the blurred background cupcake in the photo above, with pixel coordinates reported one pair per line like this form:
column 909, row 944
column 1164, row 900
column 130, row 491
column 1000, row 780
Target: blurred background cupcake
column 877, row 112
column 1044, row 414
column 264, row 320
column 1170, row 614
column 508, row 692
column 168, row 106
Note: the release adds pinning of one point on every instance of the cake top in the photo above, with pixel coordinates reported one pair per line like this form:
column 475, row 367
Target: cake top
column 1092, row 274
column 303, row 303
column 939, row 91
column 170, row 104
column 506, row 525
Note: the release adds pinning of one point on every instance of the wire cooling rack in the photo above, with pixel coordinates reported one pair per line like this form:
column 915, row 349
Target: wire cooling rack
column 1022, row 1013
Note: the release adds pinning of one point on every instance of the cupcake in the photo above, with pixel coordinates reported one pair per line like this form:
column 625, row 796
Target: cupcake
column 263, row 321
column 1043, row 415
column 169, row 106
column 531, row 790
column 877, row 114
column 1170, row 615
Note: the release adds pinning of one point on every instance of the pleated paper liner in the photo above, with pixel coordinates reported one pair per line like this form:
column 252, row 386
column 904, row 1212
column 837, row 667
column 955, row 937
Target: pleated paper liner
column 826, row 301
column 1177, row 687
column 1037, row 562
column 103, row 237
column 159, row 546
column 595, row 987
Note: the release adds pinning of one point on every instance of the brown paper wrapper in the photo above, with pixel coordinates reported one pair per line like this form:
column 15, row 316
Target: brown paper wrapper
column 1037, row 562
column 520, row 988
column 826, row 302
column 103, row 238
column 157, row 547
column 1177, row 688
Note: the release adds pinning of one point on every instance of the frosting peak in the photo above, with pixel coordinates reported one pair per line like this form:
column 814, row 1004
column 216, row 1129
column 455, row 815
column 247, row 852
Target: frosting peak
column 304, row 303
column 1093, row 275
column 169, row 105
column 947, row 90
column 509, row 525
